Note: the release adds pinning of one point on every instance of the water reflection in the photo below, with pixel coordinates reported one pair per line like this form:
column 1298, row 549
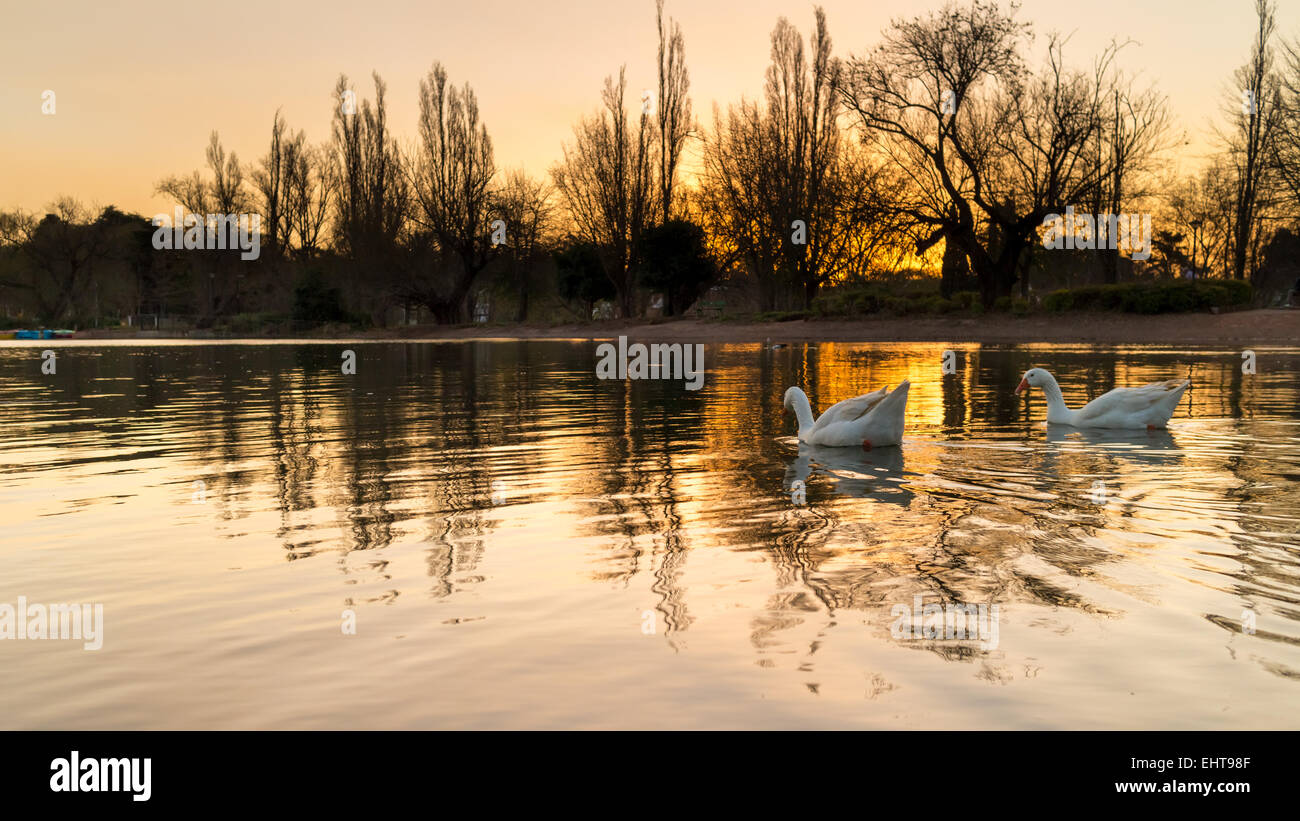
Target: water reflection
column 500, row 487
column 875, row 474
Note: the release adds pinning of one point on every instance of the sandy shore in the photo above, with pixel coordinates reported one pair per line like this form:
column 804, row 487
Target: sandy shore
column 1263, row 327
column 1246, row 328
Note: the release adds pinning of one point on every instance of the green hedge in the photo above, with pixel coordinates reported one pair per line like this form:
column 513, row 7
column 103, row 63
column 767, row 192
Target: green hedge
column 895, row 298
column 1153, row 298
column 252, row 323
column 906, row 300
column 780, row 316
column 1138, row 297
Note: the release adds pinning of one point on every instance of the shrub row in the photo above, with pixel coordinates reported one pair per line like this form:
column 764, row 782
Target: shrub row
column 1136, row 297
column 874, row 300
column 1153, row 298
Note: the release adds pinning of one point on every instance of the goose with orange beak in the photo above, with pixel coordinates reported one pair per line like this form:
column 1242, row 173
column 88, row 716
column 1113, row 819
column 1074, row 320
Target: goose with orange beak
column 1149, row 406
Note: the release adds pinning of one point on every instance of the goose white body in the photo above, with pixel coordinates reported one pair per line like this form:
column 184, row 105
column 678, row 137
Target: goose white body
column 871, row 420
column 1149, row 406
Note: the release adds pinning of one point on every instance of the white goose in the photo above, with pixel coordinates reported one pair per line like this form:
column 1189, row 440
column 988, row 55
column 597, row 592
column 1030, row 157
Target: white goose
column 871, row 420
column 1149, row 406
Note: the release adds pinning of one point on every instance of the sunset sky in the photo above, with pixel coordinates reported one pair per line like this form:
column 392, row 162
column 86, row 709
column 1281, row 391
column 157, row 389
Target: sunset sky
column 140, row 86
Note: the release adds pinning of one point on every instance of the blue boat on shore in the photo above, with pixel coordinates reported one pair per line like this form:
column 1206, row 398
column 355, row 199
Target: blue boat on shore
column 44, row 333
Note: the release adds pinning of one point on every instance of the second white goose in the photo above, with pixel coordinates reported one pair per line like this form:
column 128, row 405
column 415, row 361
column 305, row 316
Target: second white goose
column 871, row 420
column 1149, row 406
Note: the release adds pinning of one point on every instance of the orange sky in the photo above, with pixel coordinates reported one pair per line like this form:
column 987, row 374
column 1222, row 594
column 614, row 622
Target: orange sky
column 140, row 86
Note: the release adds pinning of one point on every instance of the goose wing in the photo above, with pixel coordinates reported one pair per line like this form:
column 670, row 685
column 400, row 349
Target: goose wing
column 1134, row 401
column 849, row 409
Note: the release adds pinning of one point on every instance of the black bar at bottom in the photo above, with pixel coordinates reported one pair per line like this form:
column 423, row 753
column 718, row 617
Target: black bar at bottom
column 614, row 772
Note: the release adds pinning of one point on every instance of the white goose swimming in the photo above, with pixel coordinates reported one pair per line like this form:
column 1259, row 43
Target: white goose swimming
column 1149, row 406
column 871, row 420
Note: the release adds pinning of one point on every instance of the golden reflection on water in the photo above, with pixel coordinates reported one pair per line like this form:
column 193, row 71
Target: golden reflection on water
column 525, row 545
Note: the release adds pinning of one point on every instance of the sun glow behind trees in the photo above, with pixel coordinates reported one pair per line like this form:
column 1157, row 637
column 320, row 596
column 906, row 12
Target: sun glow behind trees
column 940, row 150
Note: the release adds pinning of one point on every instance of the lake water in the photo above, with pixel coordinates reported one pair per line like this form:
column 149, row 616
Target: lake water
column 520, row 544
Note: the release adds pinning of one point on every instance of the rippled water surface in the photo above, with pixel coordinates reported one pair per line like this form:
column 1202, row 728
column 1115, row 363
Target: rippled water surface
column 524, row 545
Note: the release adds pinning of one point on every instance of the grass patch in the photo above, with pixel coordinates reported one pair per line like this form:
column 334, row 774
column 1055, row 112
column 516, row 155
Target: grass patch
column 1153, row 297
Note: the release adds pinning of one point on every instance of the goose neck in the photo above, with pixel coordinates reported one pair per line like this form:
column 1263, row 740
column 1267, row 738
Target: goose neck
column 802, row 411
column 1056, row 409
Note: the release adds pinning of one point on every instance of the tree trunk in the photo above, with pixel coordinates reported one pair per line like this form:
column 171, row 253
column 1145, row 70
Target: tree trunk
column 446, row 311
column 955, row 273
column 810, row 287
column 521, row 312
column 1239, row 250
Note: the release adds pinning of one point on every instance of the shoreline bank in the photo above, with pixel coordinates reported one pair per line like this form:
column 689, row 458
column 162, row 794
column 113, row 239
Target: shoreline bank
column 1255, row 327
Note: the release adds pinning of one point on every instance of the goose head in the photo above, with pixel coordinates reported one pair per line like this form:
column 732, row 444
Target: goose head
column 1033, row 378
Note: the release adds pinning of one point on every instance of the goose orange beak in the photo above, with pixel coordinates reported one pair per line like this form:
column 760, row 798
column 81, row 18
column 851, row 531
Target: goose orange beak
column 1022, row 387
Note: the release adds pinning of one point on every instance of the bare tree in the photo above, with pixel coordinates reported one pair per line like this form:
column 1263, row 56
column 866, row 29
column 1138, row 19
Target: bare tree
column 309, row 187
column 224, row 193
column 673, row 109
column 783, row 192
column 269, row 182
column 1255, row 119
column 924, row 99
column 191, row 192
column 803, row 107
column 525, row 204
column 1251, row 145
column 736, row 197
column 990, row 147
column 1286, row 148
column 606, row 181
column 228, row 194
column 373, row 198
column 451, row 176
column 62, row 250
column 373, row 202
column 1202, row 206
column 1133, row 138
